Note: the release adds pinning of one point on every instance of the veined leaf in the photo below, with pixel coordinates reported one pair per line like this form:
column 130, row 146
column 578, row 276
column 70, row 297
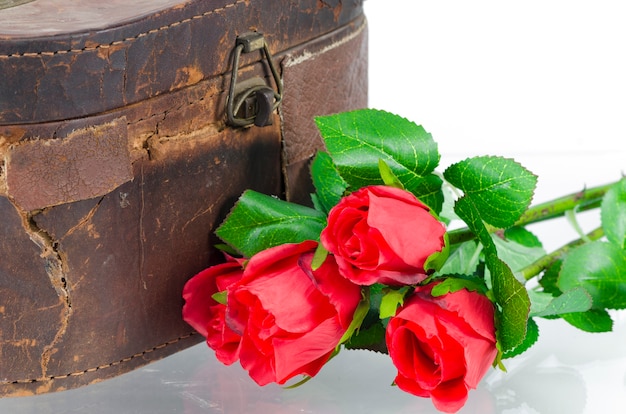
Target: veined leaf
column 513, row 299
column 550, row 277
column 357, row 140
column 499, row 188
column 594, row 320
column 259, row 221
column 372, row 337
column 613, row 214
column 532, row 335
column 454, row 283
column 463, row 260
column 574, row 300
column 329, row 185
column 516, row 255
column 511, row 295
column 600, row 268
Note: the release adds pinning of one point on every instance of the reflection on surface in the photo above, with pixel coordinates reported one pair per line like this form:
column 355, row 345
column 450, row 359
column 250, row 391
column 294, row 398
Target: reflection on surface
column 567, row 371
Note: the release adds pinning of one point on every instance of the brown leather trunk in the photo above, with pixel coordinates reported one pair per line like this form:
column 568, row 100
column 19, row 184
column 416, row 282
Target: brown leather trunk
column 116, row 163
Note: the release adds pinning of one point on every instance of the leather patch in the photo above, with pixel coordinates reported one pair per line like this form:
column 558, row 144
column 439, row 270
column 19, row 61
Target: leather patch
column 89, row 162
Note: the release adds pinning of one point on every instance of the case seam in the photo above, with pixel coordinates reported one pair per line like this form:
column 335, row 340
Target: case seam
column 100, row 367
column 127, row 39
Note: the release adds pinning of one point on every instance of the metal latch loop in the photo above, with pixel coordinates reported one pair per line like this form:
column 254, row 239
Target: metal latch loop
column 256, row 101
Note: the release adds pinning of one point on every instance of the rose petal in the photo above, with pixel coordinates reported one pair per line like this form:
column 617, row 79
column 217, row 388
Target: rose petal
column 474, row 308
column 198, row 292
column 259, row 367
column 300, row 351
column 410, row 231
column 342, row 294
column 450, row 397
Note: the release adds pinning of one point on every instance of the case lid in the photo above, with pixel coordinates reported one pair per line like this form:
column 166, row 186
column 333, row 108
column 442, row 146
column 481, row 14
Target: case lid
column 28, row 18
column 62, row 59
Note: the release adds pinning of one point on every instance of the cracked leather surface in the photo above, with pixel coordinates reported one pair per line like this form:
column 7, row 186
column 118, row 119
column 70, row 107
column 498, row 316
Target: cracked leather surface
column 109, row 197
column 89, row 162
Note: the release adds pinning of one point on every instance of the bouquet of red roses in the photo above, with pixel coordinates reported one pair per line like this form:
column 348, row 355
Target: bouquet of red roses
column 373, row 264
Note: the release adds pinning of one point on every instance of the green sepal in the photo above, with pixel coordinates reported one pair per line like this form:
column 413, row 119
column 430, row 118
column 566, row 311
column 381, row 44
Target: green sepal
column 454, row 283
column 389, row 178
column 392, row 298
column 359, row 315
column 319, row 257
column 220, row 297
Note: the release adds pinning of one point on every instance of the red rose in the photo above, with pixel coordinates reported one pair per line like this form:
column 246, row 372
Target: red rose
column 442, row 346
column 382, row 234
column 290, row 317
column 206, row 315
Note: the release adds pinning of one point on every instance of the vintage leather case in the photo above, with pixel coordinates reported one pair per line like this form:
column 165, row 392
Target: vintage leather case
column 116, row 163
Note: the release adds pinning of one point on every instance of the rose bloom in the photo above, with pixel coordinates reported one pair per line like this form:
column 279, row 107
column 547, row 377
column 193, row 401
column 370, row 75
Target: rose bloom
column 442, row 346
column 382, row 234
column 290, row 317
column 206, row 315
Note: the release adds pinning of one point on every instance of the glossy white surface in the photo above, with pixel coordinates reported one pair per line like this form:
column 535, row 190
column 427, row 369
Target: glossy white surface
column 567, row 372
column 539, row 82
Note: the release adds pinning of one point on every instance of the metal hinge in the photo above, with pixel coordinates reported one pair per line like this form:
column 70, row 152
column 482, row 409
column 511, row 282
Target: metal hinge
column 252, row 103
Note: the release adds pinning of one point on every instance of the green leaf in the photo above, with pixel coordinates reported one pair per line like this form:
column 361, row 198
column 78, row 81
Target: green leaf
column 510, row 295
column 516, row 255
column 454, row 283
column 613, row 214
column 357, row 140
column 371, row 337
column 550, row 277
column 594, row 320
column 513, row 299
column 258, row 222
column 463, row 260
column 447, row 214
column 522, row 236
column 600, row 268
column 329, row 185
column 500, row 189
column 574, row 300
column 532, row 335
column 392, row 298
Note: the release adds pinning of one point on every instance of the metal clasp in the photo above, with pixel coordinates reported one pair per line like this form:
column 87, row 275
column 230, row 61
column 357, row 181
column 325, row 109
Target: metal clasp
column 255, row 104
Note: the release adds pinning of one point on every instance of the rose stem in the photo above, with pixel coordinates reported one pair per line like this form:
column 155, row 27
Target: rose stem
column 587, row 199
column 546, row 261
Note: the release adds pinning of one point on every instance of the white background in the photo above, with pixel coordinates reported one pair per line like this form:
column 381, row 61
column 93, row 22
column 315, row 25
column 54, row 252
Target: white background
column 543, row 82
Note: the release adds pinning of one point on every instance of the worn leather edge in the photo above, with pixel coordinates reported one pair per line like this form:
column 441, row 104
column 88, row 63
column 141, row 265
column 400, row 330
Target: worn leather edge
column 338, row 59
column 92, row 375
column 81, row 74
